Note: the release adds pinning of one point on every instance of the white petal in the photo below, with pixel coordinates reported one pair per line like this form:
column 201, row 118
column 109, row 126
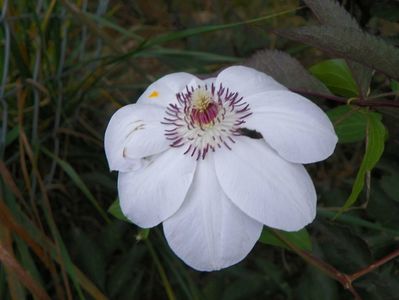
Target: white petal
column 164, row 90
column 152, row 194
column 294, row 126
column 134, row 132
column 209, row 81
column 209, row 232
column 269, row 189
column 247, row 81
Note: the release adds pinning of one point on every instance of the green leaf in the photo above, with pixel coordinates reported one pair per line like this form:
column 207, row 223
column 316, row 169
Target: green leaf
column 204, row 56
column 299, row 238
column 178, row 35
column 336, row 75
column 116, row 211
column 383, row 208
column 354, row 220
column 322, row 287
column 342, row 246
column 362, row 76
column 283, row 68
column 90, row 256
column 374, row 149
column 350, row 123
column 349, row 43
column 12, row 135
column 389, row 183
column 68, row 169
column 395, row 85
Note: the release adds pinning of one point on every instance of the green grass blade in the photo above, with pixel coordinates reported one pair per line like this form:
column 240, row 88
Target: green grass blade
column 78, row 182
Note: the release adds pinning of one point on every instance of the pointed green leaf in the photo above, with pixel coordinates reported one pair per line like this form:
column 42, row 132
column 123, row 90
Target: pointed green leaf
column 350, row 123
column 299, row 238
column 116, row 211
column 77, row 180
column 336, row 75
column 395, row 85
column 374, row 149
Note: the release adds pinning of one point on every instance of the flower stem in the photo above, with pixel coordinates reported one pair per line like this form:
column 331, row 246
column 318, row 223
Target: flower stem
column 366, row 102
column 374, row 265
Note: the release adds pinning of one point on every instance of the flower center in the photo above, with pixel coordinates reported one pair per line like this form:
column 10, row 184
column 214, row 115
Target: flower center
column 203, row 109
column 205, row 119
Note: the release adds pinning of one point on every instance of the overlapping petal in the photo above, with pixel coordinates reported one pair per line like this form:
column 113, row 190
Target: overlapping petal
column 294, row 126
column 150, row 195
column 134, row 132
column 247, row 81
column 209, row 232
column 269, row 189
column 164, row 90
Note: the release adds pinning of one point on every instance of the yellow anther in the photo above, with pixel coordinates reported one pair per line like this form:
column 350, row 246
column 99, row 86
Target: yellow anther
column 153, row 94
column 201, row 99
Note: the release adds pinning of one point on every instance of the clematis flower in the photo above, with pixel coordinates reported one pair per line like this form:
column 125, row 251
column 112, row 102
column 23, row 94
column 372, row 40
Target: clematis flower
column 214, row 160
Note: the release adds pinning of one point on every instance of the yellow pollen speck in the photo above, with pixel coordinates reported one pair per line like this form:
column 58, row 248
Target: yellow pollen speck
column 153, row 94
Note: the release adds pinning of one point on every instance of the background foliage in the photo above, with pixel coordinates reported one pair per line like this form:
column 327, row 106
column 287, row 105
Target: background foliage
column 66, row 66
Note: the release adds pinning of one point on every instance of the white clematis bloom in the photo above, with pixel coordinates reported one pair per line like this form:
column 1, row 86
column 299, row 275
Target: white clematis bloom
column 185, row 159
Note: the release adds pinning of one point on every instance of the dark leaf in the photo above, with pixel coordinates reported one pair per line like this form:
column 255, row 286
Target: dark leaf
column 350, row 44
column 315, row 286
column 330, row 12
column 286, row 70
column 382, row 284
column 383, row 209
column 388, row 10
column 342, row 248
column 90, row 257
column 362, row 76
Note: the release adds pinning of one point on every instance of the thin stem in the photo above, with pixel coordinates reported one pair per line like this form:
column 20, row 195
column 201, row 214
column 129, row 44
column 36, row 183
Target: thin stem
column 374, row 265
column 161, row 270
column 321, row 265
column 383, row 95
column 345, row 279
column 325, row 96
column 358, row 102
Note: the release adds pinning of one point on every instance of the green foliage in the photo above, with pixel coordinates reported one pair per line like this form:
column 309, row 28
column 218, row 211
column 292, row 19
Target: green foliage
column 374, row 149
column 300, row 239
column 77, row 181
column 336, row 75
column 116, row 211
column 350, row 123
